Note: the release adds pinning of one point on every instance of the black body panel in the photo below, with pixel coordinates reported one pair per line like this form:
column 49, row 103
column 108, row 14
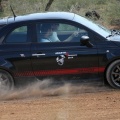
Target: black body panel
column 22, row 55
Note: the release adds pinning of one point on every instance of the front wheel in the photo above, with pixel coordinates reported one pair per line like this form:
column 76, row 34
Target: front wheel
column 113, row 74
column 6, row 81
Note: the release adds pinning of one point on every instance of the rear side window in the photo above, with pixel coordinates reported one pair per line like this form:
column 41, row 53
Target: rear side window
column 18, row 35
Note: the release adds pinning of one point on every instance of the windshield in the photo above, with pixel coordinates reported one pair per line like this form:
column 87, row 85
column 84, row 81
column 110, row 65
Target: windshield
column 93, row 26
column 105, row 29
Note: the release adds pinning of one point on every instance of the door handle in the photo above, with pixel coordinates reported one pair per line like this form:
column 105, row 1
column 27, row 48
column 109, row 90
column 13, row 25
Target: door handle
column 37, row 55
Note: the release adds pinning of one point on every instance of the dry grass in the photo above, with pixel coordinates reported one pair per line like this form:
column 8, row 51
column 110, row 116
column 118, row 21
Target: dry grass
column 108, row 9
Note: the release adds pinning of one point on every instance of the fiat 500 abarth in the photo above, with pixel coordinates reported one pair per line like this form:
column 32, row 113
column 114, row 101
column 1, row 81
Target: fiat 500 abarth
column 57, row 44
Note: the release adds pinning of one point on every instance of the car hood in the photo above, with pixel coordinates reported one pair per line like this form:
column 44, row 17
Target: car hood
column 114, row 38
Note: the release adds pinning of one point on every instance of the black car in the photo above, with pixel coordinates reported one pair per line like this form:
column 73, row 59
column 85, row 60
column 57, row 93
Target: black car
column 81, row 48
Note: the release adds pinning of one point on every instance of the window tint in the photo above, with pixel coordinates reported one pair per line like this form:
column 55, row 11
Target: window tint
column 59, row 32
column 66, row 27
column 44, row 31
column 18, row 35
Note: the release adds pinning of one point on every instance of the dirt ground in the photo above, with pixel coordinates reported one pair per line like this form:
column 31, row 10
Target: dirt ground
column 43, row 101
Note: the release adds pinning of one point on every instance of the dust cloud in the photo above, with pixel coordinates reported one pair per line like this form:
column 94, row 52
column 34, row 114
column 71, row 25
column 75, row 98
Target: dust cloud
column 48, row 88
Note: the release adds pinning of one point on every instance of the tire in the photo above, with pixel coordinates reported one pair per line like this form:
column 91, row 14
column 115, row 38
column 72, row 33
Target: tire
column 113, row 74
column 6, row 80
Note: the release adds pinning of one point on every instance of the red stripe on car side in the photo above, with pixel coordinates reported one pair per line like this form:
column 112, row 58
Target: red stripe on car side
column 61, row 71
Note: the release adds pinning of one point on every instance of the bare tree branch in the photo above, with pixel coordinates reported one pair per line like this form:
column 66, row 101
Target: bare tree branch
column 48, row 5
column 1, row 8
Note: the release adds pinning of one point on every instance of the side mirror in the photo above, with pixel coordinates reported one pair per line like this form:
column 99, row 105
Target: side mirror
column 84, row 41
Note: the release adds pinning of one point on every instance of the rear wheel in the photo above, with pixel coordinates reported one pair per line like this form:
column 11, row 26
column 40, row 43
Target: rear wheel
column 6, row 81
column 113, row 74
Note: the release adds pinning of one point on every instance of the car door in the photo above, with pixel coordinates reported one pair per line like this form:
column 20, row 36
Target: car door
column 15, row 50
column 65, row 57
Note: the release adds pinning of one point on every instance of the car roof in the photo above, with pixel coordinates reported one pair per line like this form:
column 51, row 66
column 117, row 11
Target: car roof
column 58, row 16
column 37, row 16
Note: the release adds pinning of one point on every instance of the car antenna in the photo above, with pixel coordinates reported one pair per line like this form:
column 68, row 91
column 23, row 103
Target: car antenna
column 13, row 12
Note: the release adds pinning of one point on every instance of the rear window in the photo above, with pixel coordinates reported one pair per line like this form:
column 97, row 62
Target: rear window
column 18, row 35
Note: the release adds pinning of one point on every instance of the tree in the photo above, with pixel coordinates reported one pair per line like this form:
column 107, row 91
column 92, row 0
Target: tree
column 1, row 8
column 48, row 5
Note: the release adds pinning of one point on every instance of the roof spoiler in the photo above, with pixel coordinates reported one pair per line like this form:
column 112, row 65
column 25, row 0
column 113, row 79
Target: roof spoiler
column 13, row 12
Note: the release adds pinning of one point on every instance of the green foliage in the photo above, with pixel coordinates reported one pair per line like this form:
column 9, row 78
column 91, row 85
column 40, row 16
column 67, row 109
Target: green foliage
column 101, row 2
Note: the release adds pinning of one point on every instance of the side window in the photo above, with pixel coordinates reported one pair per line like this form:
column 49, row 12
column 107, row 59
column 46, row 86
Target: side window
column 70, row 33
column 18, row 35
column 44, row 32
column 59, row 32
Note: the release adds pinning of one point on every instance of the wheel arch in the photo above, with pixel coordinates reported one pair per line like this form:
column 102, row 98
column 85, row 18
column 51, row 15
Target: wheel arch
column 8, row 71
column 107, row 66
